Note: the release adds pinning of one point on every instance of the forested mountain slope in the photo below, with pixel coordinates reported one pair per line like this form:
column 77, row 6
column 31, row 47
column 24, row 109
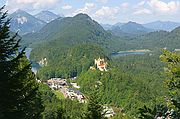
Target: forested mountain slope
column 158, row 39
column 61, row 39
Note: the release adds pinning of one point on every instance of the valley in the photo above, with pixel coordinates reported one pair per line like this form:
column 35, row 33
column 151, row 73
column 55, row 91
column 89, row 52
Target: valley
column 134, row 68
column 74, row 67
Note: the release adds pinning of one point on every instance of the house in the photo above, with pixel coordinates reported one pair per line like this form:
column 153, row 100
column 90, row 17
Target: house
column 75, row 94
column 92, row 68
column 101, row 64
column 75, row 85
column 56, row 83
column 43, row 62
column 108, row 112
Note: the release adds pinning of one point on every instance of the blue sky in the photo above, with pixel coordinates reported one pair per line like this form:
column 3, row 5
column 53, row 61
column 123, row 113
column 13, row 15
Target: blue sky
column 104, row 11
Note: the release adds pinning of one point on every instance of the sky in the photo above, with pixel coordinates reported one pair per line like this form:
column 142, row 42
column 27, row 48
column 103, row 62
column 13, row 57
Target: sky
column 104, row 11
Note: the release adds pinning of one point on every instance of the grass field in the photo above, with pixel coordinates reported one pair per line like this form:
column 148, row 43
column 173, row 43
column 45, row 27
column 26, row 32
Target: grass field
column 59, row 94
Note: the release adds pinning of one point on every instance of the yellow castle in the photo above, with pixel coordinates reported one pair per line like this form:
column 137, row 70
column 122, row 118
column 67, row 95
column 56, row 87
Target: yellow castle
column 101, row 64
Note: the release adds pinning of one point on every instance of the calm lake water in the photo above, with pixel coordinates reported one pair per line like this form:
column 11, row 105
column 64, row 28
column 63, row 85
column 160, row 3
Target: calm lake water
column 121, row 54
column 35, row 66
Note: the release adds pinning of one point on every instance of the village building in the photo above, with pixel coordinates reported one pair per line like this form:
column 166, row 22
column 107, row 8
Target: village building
column 108, row 112
column 71, row 93
column 56, row 83
column 43, row 62
column 75, row 85
column 75, row 94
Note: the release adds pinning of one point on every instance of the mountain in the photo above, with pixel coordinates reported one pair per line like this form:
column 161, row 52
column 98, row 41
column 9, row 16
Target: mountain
column 69, row 44
column 117, row 31
column 134, row 28
column 109, row 27
column 80, row 29
column 118, row 24
column 46, row 16
column 158, row 39
column 162, row 25
column 106, row 26
column 129, row 29
column 24, row 22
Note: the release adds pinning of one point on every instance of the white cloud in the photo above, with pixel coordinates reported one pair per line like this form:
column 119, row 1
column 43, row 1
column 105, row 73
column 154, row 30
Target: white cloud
column 86, row 9
column 125, row 5
column 67, row 7
column 103, row 1
column 31, row 4
column 142, row 12
column 141, row 3
column 25, row 1
column 106, row 13
column 164, row 7
column 141, row 9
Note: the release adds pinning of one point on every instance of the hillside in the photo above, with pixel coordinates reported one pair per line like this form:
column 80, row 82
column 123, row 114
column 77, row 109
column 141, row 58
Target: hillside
column 158, row 39
column 70, row 31
column 67, row 63
column 25, row 23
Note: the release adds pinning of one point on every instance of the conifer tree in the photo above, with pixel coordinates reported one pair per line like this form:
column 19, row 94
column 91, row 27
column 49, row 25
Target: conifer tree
column 94, row 108
column 19, row 96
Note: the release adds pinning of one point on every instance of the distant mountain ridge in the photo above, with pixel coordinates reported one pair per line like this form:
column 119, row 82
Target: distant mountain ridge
column 156, row 25
column 162, row 25
column 129, row 29
column 134, row 28
column 46, row 16
column 106, row 26
column 157, row 39
column 24, row 22
column 119, row 24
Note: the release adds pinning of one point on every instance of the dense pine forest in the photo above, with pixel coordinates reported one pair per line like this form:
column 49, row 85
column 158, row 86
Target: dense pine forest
column 133, row 86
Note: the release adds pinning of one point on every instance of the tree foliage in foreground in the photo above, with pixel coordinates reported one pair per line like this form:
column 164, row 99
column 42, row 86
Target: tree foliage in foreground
column 172, row 107
column 19, row 96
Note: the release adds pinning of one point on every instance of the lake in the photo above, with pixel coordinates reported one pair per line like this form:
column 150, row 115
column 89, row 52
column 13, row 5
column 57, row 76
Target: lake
column 35, row 66
column 125, row 53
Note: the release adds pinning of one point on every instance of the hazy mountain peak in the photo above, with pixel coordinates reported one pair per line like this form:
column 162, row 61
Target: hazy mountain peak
column 25, row 22
column 133, row 23
column 130, row 28
column 106, row 26
column 46, row 16
column 19, row 11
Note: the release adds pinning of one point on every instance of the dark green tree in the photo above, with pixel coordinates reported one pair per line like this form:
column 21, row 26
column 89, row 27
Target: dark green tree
column 172, row 71
column 94, row 108
column 19, row 96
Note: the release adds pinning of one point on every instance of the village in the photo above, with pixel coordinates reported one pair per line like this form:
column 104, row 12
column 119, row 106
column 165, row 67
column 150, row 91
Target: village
column 71, row 90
